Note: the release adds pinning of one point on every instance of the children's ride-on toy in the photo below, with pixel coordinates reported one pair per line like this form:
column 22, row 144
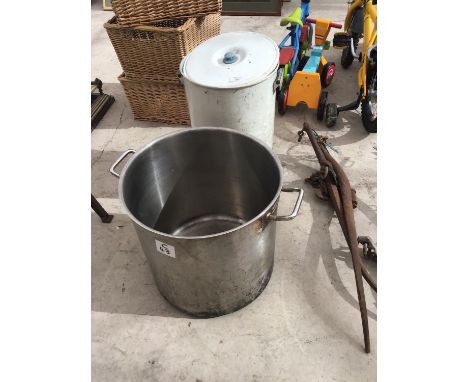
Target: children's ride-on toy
column 301, row 77
column 361, row 21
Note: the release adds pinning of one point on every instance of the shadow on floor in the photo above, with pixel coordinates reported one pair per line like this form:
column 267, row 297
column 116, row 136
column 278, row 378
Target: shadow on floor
column 348, row 129
column 121, row 280
column 104, row 184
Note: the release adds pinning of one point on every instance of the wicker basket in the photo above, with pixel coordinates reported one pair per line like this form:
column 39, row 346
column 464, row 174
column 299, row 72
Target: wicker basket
column 156, row 101
column 136, row 12
column 155, row 52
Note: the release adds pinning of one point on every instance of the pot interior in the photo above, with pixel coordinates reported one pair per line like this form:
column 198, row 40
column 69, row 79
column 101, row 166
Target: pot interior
column 200, row 182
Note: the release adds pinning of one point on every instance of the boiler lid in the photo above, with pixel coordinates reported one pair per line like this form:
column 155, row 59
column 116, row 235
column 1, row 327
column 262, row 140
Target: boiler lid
column 231, row 60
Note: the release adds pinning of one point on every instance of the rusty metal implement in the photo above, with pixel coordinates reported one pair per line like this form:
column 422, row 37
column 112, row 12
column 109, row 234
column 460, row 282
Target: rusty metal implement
column 332, row 183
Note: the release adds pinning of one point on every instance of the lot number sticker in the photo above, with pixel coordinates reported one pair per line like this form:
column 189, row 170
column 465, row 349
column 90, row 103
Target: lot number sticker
column 165, row 249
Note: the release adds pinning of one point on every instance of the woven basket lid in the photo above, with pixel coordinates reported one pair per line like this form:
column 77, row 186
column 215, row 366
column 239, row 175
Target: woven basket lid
column 231, row 60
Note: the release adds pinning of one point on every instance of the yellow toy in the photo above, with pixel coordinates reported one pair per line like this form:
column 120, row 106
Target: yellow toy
column 361, row 21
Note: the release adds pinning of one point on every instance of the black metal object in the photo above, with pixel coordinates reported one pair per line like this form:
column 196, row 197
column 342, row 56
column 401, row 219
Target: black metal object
column 98, row 84
column 100, row 102
column 368, row 248
column 351, row 106
column 252, row 8
column 332, row 183
column 100, row 211
column 341, row 40
column 357, row 22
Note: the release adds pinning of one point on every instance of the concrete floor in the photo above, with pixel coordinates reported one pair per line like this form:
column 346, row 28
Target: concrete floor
column 306, row 325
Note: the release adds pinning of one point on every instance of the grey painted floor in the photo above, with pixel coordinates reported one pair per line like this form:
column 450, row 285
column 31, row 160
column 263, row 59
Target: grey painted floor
column 306, row 325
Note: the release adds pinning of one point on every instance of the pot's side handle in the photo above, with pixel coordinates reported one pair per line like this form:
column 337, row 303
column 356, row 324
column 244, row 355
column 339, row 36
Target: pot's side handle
column 179, row 72
column 117, row 162
column 293, row 214
column 180, row 76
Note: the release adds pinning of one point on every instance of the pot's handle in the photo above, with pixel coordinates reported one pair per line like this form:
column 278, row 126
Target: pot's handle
column 293, row 214
column 117, row 162
column 179, row 71
column 181, row 78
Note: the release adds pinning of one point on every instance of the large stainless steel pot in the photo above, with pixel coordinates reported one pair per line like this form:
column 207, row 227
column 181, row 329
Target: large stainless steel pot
column 203, row 202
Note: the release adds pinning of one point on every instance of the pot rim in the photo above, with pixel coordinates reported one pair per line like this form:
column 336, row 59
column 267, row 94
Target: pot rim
column 188, row 131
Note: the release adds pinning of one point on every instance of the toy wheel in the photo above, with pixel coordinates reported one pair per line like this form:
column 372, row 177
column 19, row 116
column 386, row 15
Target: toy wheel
column 321, row 105
column 328, row 72
column 331, row 114
column 369, row 106
column 282, row 99
column 369, row 115
column 346, row 58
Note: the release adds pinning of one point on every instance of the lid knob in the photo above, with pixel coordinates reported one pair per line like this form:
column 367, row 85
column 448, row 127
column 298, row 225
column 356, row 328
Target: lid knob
column 229, row 58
